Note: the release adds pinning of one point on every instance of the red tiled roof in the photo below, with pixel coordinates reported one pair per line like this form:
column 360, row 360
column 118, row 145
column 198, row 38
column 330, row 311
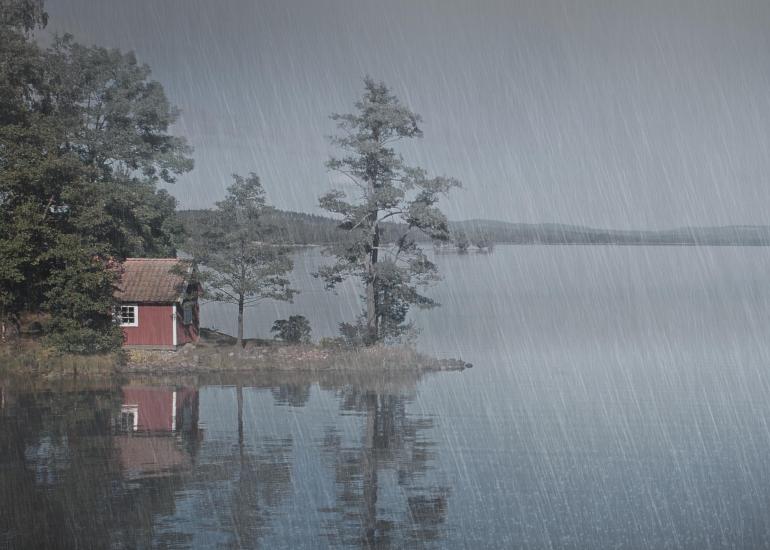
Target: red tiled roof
column 151, row 280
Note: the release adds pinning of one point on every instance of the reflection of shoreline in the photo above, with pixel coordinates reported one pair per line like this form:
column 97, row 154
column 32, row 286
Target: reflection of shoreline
column 132, row 459
column 384, row 381
column 388, row 382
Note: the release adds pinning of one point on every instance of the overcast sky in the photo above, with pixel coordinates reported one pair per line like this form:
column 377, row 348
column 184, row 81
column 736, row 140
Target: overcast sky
column 638, row 114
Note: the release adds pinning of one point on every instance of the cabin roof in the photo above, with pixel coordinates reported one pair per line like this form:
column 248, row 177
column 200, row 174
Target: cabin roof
column 156, row 280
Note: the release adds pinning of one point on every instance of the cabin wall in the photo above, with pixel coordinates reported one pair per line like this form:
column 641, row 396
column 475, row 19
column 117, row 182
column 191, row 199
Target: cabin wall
column 155, row 407
column 155, row 327
column 163, row 408
column 187, row 333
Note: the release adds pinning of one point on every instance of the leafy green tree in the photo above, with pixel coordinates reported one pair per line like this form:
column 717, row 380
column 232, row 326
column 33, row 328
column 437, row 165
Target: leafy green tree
column 116, row 124
column 83, row 143
column 295, row 329
column 20, row 225
column 79, row 299
column 244, row 264
column 386, row 189
column 24, row 15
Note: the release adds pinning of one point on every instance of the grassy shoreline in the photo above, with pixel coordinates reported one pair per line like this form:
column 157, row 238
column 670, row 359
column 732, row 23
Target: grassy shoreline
column 217, row 353
column 306, row 358
column 29, row 358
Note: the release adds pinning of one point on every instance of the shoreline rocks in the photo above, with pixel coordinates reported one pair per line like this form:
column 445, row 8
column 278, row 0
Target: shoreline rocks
column 208, row 358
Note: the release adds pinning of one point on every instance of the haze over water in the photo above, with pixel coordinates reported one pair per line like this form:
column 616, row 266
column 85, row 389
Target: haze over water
column 619, row 395
column 618, row 399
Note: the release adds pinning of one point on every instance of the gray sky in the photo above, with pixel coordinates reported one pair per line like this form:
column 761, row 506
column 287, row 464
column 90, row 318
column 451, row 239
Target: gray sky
column 640, row 114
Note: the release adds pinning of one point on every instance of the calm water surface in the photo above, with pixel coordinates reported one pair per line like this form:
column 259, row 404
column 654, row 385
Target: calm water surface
column 620, row 398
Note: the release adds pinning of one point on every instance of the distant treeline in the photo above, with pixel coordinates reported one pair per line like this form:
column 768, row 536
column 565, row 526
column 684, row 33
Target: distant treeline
column 307, row 229
column 547, row 233
column 294, row 227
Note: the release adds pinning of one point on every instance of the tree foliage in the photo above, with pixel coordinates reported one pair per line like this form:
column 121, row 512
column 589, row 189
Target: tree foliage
column 384, row 188
column 244, row 263
column 461, row 242
column 84, row 140
column 295, row 329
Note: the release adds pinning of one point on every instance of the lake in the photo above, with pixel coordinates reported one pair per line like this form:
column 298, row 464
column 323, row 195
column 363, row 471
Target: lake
column 618, row 399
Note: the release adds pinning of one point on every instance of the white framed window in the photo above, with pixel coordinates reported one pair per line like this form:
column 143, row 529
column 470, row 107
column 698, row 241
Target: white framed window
column 187, row 311
column 129, row 418
column 129, row 316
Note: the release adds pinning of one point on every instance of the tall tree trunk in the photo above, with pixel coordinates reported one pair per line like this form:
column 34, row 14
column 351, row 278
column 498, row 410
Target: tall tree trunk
column 240, row 320
column 241, row 294
column 372, row 311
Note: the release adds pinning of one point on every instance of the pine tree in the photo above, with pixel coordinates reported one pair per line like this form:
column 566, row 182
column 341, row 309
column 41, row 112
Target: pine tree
column 386, row 190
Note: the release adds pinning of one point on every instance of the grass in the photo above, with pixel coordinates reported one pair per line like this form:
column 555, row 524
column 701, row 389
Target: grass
column 28, row 357
column 217, row 352
column 208, row 357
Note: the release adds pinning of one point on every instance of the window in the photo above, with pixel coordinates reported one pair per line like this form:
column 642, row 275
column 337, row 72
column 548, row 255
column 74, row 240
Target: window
column 129, row 316
column 129, row 418
column 187, row 310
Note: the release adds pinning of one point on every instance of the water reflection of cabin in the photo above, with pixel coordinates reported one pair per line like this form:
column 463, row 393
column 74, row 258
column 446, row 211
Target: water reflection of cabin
column 158, row 409
column 158, row 303
column 153, row 426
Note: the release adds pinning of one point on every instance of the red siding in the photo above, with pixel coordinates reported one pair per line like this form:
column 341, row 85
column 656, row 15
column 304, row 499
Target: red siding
column 155, row 407
column 155, row 327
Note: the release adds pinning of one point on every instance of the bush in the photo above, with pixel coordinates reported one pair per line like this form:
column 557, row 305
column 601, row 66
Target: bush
column 295, row 329
column 355, row 335
column 484, row 244
column 461, row 242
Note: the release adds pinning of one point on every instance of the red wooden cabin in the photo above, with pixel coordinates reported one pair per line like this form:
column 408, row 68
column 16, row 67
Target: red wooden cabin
column 158, row 303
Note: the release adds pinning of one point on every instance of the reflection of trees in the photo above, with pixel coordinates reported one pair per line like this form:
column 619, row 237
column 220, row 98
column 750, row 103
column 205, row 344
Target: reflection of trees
column 263, row 479
column 65, row 482
column 61, row 476
column 254, row 480
column 294, row 395
column 371, row 511
column 73, row 475
column 391, row 441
